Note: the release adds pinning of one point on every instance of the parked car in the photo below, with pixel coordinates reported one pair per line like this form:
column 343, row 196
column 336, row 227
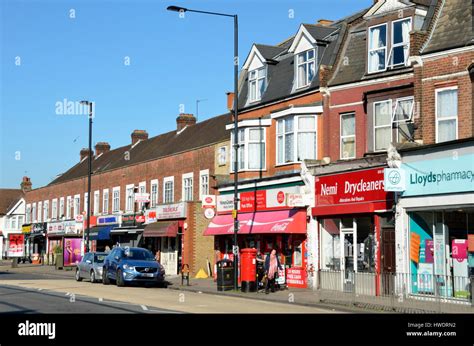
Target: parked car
column 132, row 264
column 91, row 266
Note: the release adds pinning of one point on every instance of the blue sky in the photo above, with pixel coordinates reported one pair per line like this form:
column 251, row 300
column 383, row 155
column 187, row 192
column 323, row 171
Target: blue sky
column 135, row 60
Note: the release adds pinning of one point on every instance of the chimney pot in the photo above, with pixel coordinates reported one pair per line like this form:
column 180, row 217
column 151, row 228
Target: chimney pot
column 138, row 135
column 230, row 100
column 184, row 120
column 26, row 184
column 85, row 152
column 101, row 147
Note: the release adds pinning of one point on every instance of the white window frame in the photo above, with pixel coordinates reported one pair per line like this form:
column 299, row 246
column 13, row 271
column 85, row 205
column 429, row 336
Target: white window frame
column 28, row 213
column 299, row 85
column 388, row 62
column 222, row 159
column 168, row 180
column 382, row 126
column 129, row 197
column 184, row 188
column 105, row 201
column 295, row 132
column 54, row 209
column 437, row 91
column 141, row 189
column 96, row 202
column 86, row 200
column 34, row 212
column 405, row 121
column 203, row 173
column 254, row 80
column 341, row 137
column 116, row 206
column 377, row 49
column 76, row 207
column 69, row 205
column 61, row 208
column 246, row 143
column 45, row 210
column 40, row 212
column 154, row 196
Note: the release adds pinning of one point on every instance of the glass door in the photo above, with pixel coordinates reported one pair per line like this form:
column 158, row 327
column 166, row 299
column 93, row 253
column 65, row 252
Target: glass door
column 348, row 253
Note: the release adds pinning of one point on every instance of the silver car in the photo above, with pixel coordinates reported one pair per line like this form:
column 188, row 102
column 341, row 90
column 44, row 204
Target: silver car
column 90, row 267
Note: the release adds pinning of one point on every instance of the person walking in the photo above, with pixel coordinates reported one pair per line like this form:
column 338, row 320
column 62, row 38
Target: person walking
column 272, row 264
column 158, row 256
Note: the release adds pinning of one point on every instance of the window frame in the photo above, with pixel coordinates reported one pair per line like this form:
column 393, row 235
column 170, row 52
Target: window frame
column 61, row 208
column 166, row 180
column 96, row 209
column 341, row 137
column 258, row 94
column 219, row 162
column 74, row 211
column 377, row 49
column 129, row 197
column 374, row 127
column 154, row 199
column 388, row 62
column 141, row 189
column 185, row 177
column 246, row 143
column 307, row 62
column 54, row 209
column 105, row 206
column 116, row 189
column 69, row 205
column 295, row 132
column 45, row 210
column 86, row 200
column 28, row 213
column 437, row 91
column 203, row 173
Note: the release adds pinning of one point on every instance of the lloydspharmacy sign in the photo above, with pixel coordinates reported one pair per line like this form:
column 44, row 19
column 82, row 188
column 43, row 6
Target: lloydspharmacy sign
column 453, row 173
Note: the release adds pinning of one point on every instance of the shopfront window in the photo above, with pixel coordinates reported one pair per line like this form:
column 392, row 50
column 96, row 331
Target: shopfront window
column 441, row 252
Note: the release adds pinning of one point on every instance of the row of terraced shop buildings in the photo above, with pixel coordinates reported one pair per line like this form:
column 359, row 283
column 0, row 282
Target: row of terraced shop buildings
column 321, row 116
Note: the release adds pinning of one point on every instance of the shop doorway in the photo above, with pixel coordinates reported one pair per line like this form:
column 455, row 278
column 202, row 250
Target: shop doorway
column 348, row 227
column 388, row 260
column 169, row 255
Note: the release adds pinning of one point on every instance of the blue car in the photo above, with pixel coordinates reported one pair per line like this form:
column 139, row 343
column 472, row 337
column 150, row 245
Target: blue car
column 132, row 264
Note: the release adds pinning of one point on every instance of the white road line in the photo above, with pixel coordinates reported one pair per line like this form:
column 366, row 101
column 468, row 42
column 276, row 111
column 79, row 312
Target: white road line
column 144, row 307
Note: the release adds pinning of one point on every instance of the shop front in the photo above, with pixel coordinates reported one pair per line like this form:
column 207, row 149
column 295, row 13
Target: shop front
column 35, row 238
column 266, row 222
column 355, row 222
column 435, row 229
column 56, row 232
column 130, row 232
column 99, row 234
column 164, row 232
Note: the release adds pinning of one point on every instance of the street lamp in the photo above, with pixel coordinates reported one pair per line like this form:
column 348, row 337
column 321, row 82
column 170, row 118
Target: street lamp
column 89, row 174
column 235, row 144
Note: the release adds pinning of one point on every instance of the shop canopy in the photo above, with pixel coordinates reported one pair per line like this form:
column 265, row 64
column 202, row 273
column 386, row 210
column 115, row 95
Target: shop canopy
column 161, row 229
column 267, row 222
column 101, row 232
column 126, row 230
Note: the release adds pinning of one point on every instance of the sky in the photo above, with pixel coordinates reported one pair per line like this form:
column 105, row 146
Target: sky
column 140, row 64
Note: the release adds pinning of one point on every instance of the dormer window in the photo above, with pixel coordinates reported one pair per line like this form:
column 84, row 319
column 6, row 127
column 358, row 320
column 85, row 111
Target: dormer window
column 305, row 68
column 384, row 53
column 256, row 84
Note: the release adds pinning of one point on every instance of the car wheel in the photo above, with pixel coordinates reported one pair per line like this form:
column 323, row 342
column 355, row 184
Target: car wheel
column 78, row 275
column 119, row 279
column 105, row 278
column 92, row 277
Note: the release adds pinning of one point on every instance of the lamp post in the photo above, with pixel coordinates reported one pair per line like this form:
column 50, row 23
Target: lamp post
column 236, row 132
column 89, row 174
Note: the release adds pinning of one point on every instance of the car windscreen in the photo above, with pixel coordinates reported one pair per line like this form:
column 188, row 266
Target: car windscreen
column 136, row 254
column 99, row 258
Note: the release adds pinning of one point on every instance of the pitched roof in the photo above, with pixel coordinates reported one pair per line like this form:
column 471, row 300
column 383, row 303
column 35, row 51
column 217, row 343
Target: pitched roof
column 319, row 32
column 195, row 136
column 453, row 27
column 8, row 198
column 269, row 52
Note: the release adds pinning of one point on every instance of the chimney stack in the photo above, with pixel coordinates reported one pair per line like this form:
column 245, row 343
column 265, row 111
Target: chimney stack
column 139, row 135
column 26, row 184
column 101, row 147
column 230, row 100
column 184, row 120
column 325, row 22
column 85, row 152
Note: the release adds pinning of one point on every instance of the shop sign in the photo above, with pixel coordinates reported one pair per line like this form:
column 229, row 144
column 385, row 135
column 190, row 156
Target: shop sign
column 394, row 179
column 171, row 211
column 72, row 251
column 56, row 227
column 131, row 219
column 453, row 173
column 281, row 280
column 79, row 218
column 26, row 229
column 150, row 216
column 351, row 187
column 107, row 220
column 225, row 203
column 209, row 213
column 142, row 197
column 140, row 218
column 253, row 200
column 16, row 246
column 296, row 277
column 208, row 201
column 70, row 226
column 295, row 200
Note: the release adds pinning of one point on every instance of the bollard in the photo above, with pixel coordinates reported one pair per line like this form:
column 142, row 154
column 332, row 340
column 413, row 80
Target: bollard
column 14, row 263
column 185, row 274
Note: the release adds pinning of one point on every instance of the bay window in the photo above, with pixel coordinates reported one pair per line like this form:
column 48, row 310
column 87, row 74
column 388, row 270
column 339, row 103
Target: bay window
column 296, row 138
column 377, row 48
column 256, row 84
column 446, row 114
column 305, row 68
column 251, row 150
column 347, row 144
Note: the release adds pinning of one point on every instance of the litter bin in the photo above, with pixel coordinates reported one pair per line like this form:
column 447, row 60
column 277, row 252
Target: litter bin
column 225, row 275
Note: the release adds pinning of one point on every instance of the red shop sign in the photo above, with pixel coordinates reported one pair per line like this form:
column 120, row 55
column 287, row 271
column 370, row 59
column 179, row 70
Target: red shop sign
column 296, row 277
column 353, row 187
column 253, row 200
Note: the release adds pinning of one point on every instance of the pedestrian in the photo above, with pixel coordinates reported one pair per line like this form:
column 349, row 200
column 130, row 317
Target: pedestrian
column 272, row 264
column 260, row 268
column 107, row 249
column 158, row 256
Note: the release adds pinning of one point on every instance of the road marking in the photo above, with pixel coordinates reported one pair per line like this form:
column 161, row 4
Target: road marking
column 144, row 307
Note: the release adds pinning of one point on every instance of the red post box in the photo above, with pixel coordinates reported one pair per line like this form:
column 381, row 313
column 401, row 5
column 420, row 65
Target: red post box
column 248, row 272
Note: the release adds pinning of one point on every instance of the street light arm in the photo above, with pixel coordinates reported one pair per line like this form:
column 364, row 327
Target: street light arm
column 183, row 9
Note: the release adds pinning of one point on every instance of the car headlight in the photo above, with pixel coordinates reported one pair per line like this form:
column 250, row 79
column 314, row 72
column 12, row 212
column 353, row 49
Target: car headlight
column 128, row 267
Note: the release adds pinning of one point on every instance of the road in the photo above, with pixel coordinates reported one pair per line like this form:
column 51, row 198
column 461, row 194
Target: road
column 30, row 293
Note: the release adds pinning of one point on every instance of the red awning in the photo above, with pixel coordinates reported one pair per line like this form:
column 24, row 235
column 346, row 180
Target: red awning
column 282, row 221
column 161, row 229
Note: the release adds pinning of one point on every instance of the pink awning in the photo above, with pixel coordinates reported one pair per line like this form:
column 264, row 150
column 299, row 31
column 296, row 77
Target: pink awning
column 282, row 221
